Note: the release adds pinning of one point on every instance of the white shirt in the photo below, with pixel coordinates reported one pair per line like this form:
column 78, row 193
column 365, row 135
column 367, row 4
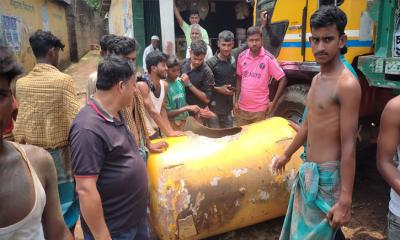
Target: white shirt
column 30, row 227
column 209, row 53
column 146, row 52
column 157, row 102
column 394, row 204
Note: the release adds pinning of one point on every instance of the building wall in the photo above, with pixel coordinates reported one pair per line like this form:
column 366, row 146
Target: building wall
column 167, row 25
column 86, row 27
column 120, row 21
column 20, row 18
column 89, row 27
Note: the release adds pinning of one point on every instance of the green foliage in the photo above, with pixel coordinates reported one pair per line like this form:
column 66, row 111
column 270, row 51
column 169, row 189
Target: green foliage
column 94, row 3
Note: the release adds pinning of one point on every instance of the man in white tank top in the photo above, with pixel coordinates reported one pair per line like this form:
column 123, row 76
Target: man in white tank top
column 30, row 207
column 153, row 91
column 388, row 166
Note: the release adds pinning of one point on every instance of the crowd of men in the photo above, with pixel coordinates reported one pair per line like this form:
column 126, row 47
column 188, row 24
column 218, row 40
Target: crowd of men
column 64, row 162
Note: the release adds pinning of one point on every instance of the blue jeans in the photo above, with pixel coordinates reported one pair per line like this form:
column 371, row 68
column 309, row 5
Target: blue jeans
column 221, row 121
column 393, row 227
column 139, row 232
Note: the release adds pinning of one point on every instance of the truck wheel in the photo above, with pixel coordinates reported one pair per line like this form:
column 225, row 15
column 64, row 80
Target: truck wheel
column 292, row 103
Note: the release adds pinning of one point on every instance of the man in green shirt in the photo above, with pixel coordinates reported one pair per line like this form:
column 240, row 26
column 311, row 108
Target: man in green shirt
column 194, row 18
column 177, row 108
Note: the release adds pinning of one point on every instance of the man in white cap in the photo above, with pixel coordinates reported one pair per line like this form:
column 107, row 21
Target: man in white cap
column 155, row 41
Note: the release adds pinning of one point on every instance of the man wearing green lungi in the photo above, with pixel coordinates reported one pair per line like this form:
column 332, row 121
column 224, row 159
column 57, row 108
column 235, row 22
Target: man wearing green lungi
column 321, row 196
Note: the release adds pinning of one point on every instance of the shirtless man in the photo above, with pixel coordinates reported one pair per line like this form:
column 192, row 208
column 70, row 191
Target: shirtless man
column 388, row 143
column 30, row 207
column 330, row 130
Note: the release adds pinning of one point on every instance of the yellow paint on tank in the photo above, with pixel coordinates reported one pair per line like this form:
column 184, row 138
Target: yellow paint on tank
column 204, row 186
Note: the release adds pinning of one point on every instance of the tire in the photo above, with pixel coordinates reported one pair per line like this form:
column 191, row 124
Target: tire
column 292, row 103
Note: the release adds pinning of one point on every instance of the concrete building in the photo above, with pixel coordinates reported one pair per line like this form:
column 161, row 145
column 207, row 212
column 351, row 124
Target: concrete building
column 20, row 18
column 141, row 19
column 77, row 25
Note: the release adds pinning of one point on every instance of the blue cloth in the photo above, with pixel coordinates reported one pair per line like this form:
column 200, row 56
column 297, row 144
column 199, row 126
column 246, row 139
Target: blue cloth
column 348, row 66
column 139, row 232
column 303, row 155
column 315, row 190
column 66, row 187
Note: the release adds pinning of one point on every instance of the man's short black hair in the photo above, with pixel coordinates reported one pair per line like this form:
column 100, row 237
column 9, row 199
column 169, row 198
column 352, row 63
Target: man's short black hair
column 194, row 12
column 198, row 47
column 226, row 36
column 113, row 41
column 9, row 67
column 122, row 45
column 172, row 61
column 328, row 16
column 105, row 41
column 253, row 30
column 153, row 58
column 42, row 41
column 112, row 70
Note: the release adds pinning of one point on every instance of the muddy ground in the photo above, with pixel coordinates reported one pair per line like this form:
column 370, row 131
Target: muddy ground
column 370, row 199
column 369, row 207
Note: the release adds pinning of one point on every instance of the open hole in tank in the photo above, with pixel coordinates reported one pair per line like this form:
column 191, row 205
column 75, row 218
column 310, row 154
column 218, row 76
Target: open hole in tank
column 197, row 128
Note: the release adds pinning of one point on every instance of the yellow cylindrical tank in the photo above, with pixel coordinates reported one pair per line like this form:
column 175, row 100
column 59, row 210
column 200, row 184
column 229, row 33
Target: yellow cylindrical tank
column 203, row 186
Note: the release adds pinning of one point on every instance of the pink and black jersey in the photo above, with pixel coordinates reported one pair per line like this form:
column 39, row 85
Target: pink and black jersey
column 255, row 73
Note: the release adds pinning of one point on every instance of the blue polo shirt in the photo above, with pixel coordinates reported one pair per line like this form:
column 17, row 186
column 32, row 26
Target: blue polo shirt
column 103, row 146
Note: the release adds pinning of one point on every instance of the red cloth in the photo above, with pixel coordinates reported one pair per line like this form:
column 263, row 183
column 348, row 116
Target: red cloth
column 10, row 125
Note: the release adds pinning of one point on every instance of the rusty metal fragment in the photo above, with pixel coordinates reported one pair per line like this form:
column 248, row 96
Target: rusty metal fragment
column 186, row 228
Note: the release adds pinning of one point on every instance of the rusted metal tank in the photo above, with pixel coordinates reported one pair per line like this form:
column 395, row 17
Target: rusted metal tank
column 203, row 186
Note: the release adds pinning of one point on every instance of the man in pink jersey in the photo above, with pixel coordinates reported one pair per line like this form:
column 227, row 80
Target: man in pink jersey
column 255, row 68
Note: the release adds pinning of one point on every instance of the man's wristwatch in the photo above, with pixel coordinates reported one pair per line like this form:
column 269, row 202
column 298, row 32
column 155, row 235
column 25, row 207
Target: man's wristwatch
column 189, row 84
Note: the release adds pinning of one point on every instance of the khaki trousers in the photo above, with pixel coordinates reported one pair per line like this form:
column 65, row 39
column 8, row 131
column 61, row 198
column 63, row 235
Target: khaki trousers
column 244, row 117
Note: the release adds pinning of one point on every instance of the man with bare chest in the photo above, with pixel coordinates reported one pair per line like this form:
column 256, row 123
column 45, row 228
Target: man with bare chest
column 321, row 195
column 29, row 204
column 387, row 161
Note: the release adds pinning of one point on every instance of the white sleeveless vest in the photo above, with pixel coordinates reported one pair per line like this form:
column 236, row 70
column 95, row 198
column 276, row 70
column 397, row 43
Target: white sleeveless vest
column 30, row 227
column 157, row 102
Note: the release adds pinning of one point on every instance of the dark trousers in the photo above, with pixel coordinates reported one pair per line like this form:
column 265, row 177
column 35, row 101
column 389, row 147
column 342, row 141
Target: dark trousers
column 139, row 232
column 221, row 121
